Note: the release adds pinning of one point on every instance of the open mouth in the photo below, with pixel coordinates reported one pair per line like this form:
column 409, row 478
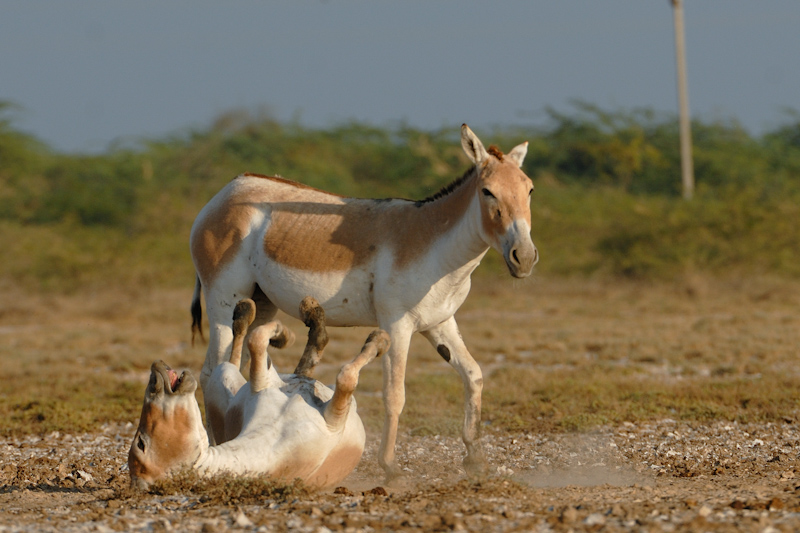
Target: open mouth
column 171, row 378
column 175, row 380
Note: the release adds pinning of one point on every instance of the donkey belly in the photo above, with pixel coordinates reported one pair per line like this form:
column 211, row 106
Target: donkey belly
column 346, row 297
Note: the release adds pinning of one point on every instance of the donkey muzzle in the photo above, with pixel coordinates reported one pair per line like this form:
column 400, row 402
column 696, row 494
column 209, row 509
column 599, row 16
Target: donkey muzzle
column 519, row 251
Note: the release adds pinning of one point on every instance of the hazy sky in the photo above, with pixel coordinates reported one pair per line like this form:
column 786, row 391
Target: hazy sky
column 91, row 72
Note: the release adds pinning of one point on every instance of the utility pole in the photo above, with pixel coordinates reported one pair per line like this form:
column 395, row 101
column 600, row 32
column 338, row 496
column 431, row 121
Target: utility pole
column 687, row 168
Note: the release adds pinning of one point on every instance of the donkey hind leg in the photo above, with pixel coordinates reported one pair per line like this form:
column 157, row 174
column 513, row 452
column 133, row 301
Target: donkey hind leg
column 338, row 407
column 221, row 298
column 220, row 337
column 226, row 379
column 312, row 316
column 447, row 341
column 394, row 397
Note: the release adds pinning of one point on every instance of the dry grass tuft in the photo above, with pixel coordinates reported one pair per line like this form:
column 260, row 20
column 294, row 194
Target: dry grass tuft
column 227, row 489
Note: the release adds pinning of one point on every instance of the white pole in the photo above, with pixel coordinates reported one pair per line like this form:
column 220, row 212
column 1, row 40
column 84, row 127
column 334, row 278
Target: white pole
column 687, row 170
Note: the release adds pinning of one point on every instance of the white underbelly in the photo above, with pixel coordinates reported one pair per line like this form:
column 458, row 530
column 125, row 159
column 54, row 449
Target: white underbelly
column 346, row 297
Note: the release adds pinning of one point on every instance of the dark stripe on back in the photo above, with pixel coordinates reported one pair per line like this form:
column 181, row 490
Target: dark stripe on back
column 289, row 182
column 447, row 189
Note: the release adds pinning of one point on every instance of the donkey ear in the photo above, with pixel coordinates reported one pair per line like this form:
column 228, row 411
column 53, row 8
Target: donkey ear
column 472, row 146
column 517, row 155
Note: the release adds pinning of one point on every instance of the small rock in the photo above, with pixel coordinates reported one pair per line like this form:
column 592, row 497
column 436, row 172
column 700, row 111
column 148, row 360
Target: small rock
column 569, row 515
column 595, row 519
column 452, row 521
column 209, row 527
column 161, row 525
column 377, row 491
column 503, row 470
column 705, row 510
column 774, row 504
column 242, row 521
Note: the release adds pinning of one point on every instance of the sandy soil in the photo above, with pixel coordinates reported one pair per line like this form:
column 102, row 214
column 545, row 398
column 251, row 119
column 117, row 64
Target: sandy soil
column 663, row 475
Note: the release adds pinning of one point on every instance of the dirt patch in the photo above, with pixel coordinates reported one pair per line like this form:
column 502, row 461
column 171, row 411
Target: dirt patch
column 664, row 475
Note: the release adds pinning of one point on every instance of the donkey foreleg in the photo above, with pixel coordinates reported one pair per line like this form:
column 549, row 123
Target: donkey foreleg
column 338, row 407
column 272, row 333
column 243, row 315
column 394, row 396
column 447, row 341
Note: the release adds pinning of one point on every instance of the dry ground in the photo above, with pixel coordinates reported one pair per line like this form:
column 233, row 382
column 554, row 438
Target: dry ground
column 608, row 406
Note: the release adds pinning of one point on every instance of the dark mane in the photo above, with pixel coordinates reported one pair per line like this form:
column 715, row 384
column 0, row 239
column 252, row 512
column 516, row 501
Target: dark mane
column 447, row 189
column 495, row 151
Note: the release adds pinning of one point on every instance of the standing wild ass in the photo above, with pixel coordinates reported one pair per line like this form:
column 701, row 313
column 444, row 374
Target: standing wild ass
column 401, row 265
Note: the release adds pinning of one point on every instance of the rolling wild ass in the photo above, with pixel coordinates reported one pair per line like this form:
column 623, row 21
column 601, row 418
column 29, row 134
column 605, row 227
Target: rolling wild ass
column 287, row 426
column 401, row 265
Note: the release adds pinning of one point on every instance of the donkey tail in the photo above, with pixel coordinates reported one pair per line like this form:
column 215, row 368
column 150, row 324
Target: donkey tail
column 197, row 311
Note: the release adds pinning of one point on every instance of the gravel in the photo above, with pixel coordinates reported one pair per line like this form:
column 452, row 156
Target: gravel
column 660, row 476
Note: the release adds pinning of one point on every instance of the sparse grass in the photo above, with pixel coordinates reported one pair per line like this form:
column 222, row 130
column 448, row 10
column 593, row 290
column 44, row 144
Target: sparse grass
column 579, row 400
column 66, row 402
column 557, row 354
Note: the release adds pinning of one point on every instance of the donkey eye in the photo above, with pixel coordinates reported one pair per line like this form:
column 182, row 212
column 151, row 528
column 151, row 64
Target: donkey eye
column 486, row 192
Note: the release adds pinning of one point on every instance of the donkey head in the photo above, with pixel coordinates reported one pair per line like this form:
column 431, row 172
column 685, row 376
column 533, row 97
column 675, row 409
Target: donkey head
column 170, row 432
column 504, row 193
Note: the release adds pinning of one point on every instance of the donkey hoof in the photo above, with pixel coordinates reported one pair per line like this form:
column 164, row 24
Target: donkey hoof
column 475, row 465
column 393, row 473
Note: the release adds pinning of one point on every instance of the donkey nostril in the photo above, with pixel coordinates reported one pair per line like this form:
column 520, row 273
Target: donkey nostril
column 514, row 256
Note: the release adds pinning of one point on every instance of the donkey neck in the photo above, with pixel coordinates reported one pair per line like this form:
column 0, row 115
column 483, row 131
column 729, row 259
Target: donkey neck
column 452, row 219
column 230, row 457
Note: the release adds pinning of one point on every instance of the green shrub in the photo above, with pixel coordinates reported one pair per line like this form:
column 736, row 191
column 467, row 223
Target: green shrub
column 607, row 192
